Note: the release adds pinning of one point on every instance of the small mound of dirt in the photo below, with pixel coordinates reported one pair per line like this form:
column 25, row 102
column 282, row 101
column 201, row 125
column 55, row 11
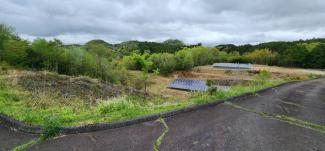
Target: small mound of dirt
column 67, row 86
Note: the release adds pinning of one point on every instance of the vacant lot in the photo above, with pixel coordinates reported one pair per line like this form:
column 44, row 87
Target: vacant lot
column 32, row 96
column 223, row 77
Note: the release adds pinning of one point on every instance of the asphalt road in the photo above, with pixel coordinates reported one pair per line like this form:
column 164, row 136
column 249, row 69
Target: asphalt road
column 221, row 127
column 10, row 138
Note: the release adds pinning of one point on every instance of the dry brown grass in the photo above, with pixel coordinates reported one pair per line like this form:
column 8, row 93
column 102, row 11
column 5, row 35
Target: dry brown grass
column 159, row 84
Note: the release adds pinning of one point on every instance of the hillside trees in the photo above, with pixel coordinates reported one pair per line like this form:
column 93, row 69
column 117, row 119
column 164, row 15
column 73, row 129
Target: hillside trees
column 296, row 56
column 174, row 42
column 77, row 58
column 14, row 53
column 188, row 62
column 316, row 59
column 99, row 59
column 6, row 36
column 184, row 59
column 55, row 52
column 102, row 55
column 39, row 48
column 165, row 62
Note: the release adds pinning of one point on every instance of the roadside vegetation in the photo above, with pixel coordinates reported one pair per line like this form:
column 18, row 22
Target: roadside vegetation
column 31, row 103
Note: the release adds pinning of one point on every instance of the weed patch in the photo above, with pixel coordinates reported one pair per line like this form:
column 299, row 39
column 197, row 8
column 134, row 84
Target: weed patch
column 51, row 129
column 158, row 142
column 283, row 118
column 26, row 145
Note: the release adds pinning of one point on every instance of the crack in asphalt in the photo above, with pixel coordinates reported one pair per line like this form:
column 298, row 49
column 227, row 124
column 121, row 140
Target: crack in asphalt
column 279, row 100
column 158, row 142
column 283, row 118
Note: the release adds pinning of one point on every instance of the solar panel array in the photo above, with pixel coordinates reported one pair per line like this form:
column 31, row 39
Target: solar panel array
column 194, row 85
column 188, row 84
column 232, row 65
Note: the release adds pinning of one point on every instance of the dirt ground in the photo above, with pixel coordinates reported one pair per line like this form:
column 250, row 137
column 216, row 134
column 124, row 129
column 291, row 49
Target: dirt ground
column 290, row 71
column 221, row 76
column 66, row 86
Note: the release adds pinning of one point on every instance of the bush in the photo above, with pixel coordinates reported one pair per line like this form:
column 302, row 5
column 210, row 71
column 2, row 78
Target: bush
column 212, row 90
column 51, row 127
column 209, row 82
column 5, row 66
column 113, row 107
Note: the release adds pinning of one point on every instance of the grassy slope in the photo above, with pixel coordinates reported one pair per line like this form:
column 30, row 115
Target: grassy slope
column 32, row 107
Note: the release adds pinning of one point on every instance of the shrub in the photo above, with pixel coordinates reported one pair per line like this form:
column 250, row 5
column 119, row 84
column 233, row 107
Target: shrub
column 51, row 127
column 212, row 90
column 209, row 82
column 113, row 107
column 5, row 66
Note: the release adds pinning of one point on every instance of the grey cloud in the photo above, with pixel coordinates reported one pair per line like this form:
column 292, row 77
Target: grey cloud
column 211, row 22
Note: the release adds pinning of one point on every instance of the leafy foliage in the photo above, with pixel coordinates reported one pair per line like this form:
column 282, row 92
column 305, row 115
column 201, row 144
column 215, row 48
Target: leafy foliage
column 209, row 82
column 212, row 90
column 51, row 127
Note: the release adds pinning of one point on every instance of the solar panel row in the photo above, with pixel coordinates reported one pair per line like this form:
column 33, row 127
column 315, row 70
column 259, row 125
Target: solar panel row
column 232, row 65
column 194, row 85
column 187, row 84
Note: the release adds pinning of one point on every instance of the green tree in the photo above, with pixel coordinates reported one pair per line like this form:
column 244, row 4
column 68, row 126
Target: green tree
column 188, row 62
column 179, row 58
column 77, row 59
column 296, row 55
column 14, row 52
column 6, row 35
column 146, row 64
column 102, row 53
column 174, row 42
column 316, row 59
column 40, row 49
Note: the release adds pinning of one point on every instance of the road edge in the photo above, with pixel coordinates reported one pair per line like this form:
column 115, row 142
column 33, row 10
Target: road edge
column 21, row 126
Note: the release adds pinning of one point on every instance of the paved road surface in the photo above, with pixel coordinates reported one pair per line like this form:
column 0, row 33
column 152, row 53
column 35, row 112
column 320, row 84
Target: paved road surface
column 221, row 127
column 10, row 138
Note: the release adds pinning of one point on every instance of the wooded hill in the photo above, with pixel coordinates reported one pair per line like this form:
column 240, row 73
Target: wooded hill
column 111, row 62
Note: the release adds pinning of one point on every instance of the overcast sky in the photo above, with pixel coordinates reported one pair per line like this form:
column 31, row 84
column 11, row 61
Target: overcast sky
column 210, row 22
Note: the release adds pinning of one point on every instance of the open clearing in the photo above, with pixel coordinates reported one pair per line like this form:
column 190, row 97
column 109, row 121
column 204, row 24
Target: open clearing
column 223, row 77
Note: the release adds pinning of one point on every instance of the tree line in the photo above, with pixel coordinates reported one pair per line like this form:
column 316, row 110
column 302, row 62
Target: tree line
column 96, row 58
column 110, row 62
column 302, row 53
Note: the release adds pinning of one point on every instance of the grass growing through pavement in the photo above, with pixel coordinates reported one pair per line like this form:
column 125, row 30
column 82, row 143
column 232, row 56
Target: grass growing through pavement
column 158, row 142
column 26, row 145
column 51, row 129
column 32, row 107
column 283, row 118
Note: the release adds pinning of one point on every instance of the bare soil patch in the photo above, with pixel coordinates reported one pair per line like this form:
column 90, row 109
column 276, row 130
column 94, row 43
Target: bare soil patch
column 67, row 86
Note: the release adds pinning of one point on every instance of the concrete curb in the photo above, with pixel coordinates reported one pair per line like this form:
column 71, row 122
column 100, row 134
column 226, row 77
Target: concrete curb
column 21, row 126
